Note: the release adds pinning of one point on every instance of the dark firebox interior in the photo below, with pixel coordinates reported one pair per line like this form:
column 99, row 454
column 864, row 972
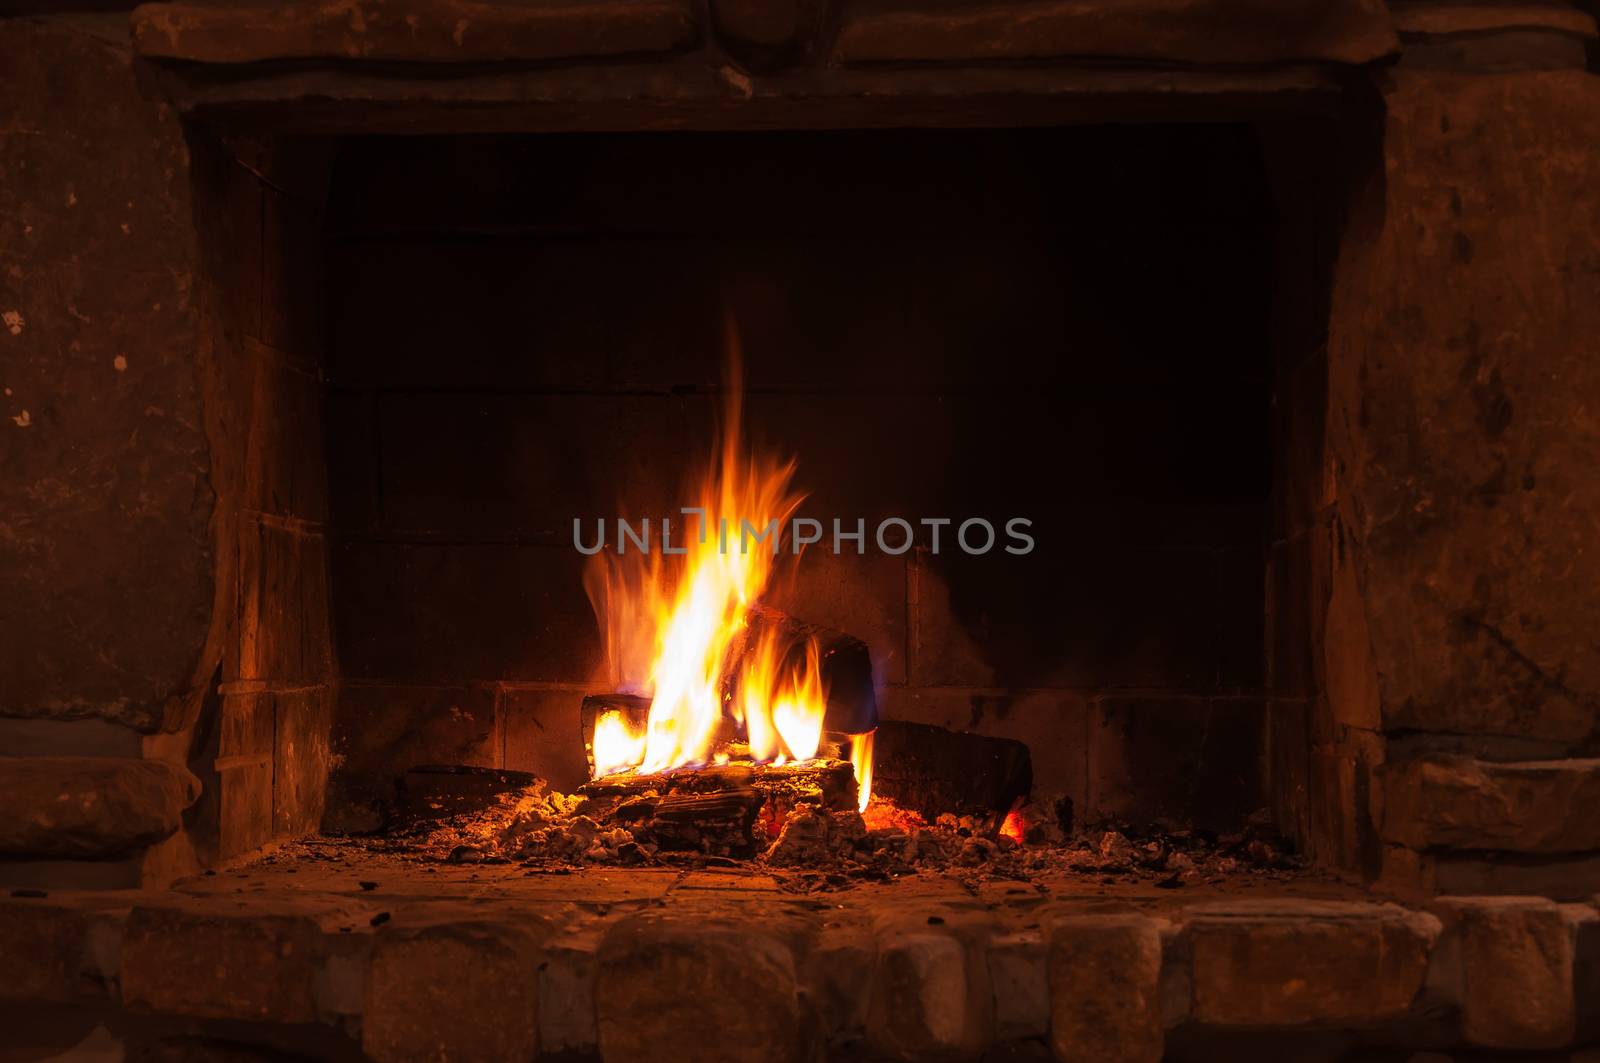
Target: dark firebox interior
column 1085, row 327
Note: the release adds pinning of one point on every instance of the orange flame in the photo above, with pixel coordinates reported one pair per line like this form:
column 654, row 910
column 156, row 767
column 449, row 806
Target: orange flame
column 861, row 761
column 677, row 625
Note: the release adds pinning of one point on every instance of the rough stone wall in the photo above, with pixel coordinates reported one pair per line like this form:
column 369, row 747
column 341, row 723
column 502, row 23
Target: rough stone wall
column 1464, row 380
column 106, row 498
column 105, row 501
column 161, row 566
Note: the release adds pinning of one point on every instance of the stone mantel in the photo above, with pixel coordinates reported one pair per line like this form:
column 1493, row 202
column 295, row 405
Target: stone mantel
column 331, row 65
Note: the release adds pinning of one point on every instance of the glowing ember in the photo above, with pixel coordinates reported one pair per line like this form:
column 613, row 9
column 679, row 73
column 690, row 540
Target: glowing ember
column 677, row 626
column 1014, row 827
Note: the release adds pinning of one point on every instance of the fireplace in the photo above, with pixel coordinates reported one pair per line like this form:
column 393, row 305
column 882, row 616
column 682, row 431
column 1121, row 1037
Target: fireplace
column 1183, row 415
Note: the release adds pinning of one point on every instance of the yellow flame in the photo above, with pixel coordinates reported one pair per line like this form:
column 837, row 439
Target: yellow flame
column 861, row 761
column 677, row 626
column 616, row 747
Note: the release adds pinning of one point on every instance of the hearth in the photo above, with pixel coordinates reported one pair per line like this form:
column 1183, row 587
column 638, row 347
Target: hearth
column 798, row 530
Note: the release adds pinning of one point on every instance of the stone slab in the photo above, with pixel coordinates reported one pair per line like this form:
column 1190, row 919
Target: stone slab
column 89, row 806
column 677, row 988
column 408, row 31
column 458, row 991
column 1287, row 963
column 1105, row 989
column 1516, row 975
column 1196, row 31
column 1521, row 807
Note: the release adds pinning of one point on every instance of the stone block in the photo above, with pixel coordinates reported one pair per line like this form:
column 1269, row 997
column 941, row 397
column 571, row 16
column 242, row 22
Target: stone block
column 1449, row 802
column 930, row 1000
column 1442, row 398
column 418, row 31
column 567, row 975
column 839, row 978
column 106, row 594
column 1292, row 962
column 1516, row 971
column 1105, row 989
column 211, row 960
column 453, row 991
column 89, row 806
column 1199, row 31
column 1583, row 921
column 680, row 989
column 57, row 953
column 1019, row 973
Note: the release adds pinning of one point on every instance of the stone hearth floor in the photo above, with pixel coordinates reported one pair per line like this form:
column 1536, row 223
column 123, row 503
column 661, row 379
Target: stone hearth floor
column 325, row 950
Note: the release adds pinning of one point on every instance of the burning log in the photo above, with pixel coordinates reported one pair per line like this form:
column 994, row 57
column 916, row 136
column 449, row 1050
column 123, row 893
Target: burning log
column 830, row 783
column 931, row 770
column 731, row 809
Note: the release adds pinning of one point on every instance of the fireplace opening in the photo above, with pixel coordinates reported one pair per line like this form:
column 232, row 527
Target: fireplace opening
column 1091, row 340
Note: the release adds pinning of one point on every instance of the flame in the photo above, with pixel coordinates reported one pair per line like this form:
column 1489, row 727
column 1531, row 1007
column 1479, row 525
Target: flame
column 677, row 626
column 861, row 761
column 616, row 747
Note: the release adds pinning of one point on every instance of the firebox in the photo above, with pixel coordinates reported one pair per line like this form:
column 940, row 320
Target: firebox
column 1069, row 326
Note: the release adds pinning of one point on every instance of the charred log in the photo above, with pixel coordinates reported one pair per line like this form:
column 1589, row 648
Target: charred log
column 733, row 809
column 931, row 770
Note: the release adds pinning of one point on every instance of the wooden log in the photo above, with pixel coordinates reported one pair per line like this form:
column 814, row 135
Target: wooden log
column 931, row 770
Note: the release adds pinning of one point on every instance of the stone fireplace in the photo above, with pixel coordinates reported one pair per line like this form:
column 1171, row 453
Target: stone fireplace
column 325, row 323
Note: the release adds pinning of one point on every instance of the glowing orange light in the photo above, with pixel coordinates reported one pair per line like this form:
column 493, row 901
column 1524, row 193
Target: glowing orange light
column 1014, row 827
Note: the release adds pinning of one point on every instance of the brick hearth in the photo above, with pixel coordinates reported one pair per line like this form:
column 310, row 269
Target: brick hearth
column 331, row 949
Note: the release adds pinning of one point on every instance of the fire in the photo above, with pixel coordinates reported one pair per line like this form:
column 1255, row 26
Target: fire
column 678, row 629
column 616, row 747
column 861, row 761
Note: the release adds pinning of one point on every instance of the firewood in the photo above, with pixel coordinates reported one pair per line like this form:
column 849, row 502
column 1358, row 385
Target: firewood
column 829, row 784
column 931, row 770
